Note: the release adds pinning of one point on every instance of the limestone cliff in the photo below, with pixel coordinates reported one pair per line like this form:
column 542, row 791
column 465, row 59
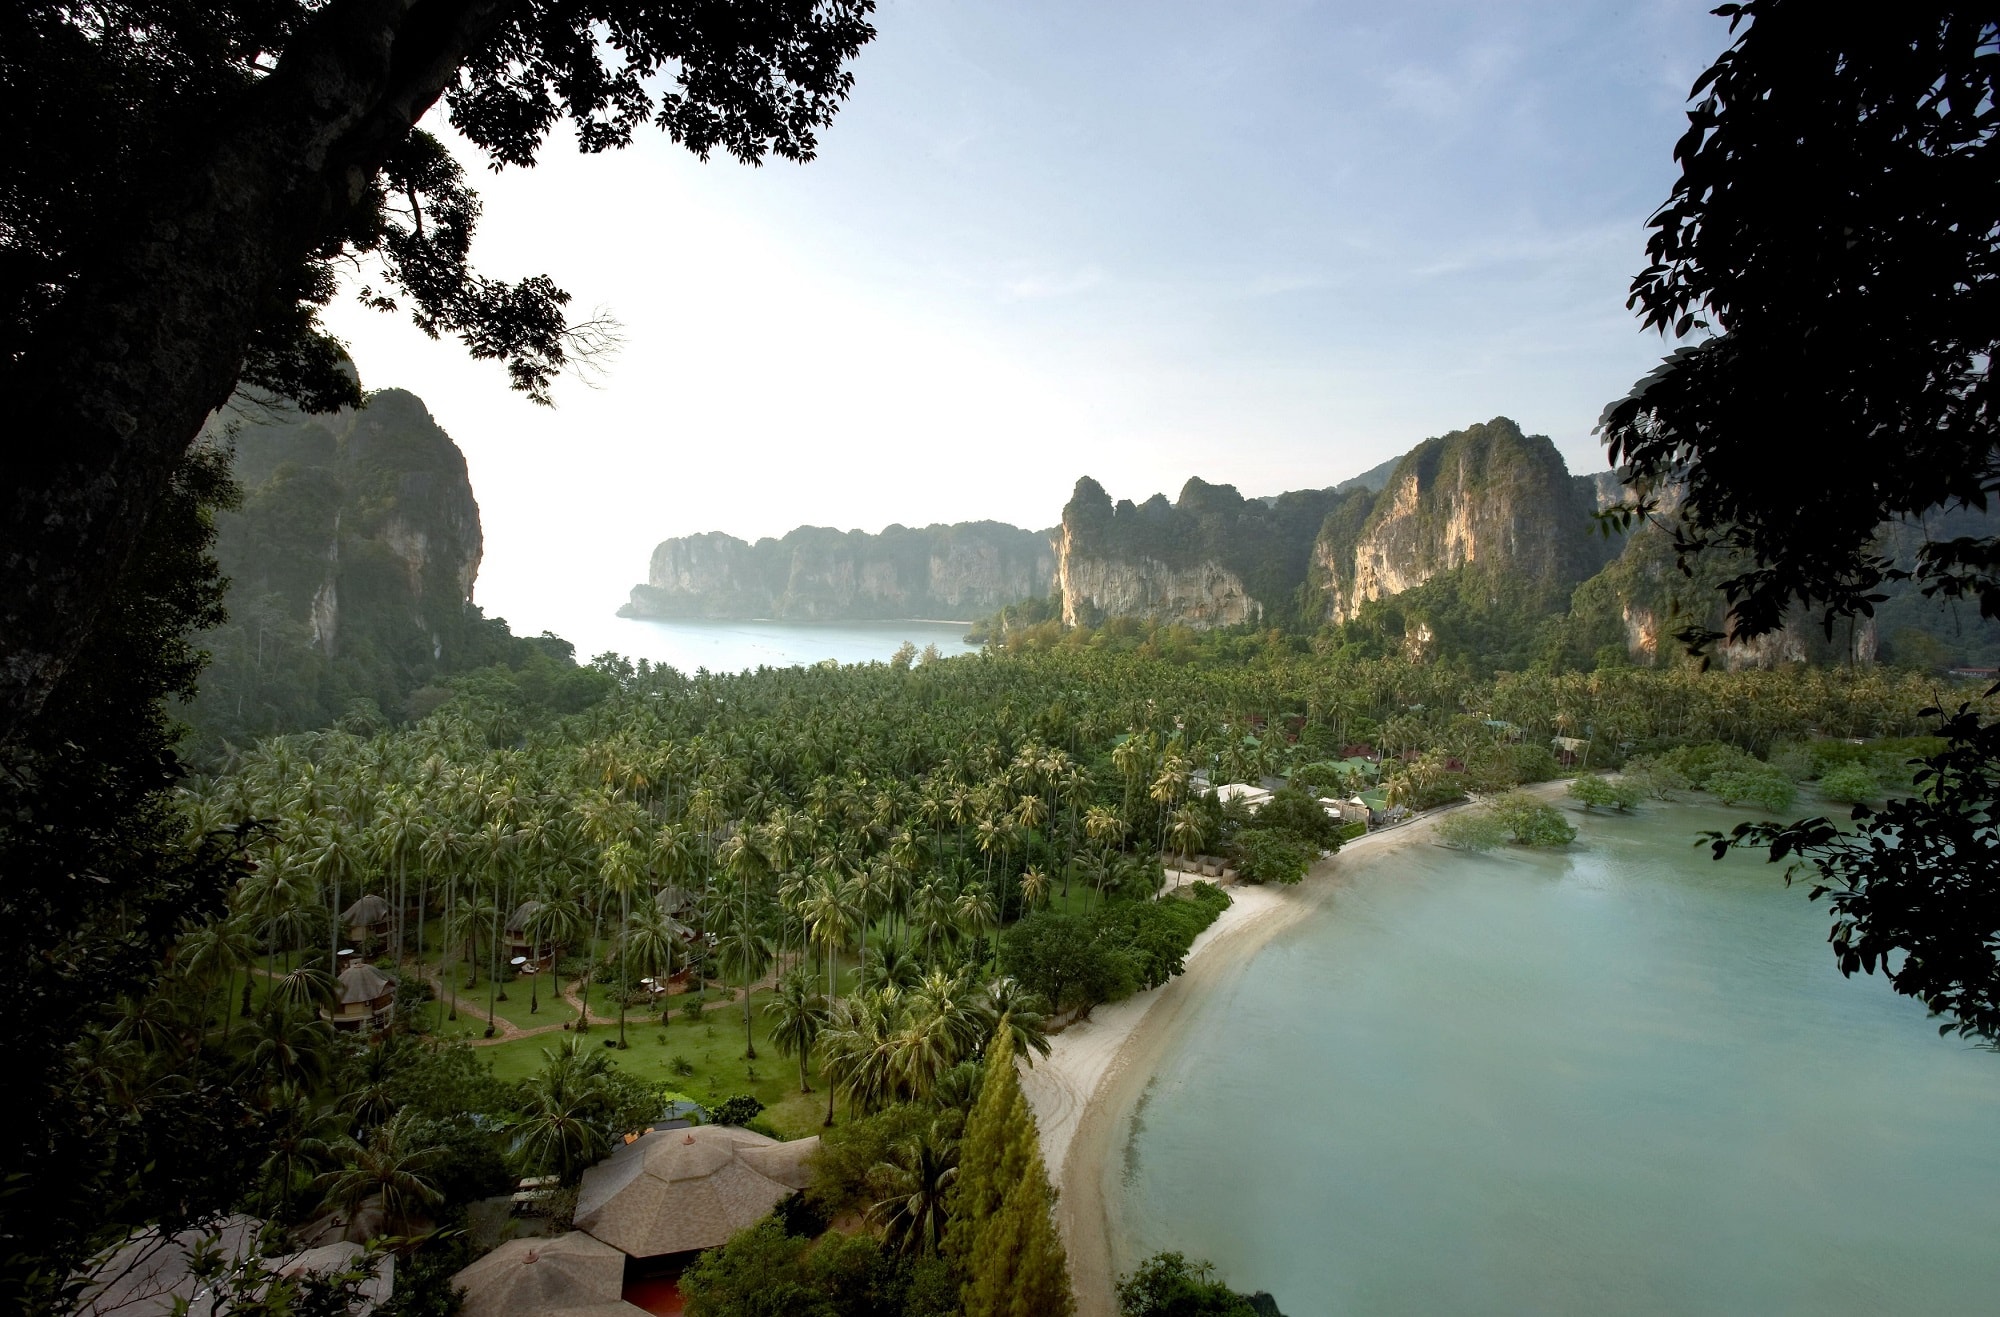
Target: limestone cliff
column 813, row 573
column 1211, row 558
column 1487, row 497
column 351, row 562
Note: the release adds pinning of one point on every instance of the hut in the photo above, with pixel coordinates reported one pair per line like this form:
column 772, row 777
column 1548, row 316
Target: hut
column 676, row 1191
column 364, row 998
column 522, row 944
column 367, row 919
column 569, row 1274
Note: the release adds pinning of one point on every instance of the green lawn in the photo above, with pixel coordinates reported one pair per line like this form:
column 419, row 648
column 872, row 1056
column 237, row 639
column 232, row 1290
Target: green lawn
column 712, row 1045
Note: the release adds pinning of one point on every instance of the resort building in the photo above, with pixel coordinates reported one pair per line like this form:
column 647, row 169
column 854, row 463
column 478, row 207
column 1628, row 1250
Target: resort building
column 570, row 1274
column 677, row 1191
column 364, row 998
column 521, row 944
column 367, row 920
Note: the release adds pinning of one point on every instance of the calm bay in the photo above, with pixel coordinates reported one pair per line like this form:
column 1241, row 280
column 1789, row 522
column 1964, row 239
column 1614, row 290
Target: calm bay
column 1622, row 1078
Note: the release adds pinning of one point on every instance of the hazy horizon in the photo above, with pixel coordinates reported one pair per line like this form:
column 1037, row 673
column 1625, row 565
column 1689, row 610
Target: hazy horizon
column 1271, row 248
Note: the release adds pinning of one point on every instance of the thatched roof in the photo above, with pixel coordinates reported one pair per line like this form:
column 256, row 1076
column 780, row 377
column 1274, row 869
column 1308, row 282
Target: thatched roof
column 676, row 1190
column 517, row 923
column 370, row 909
column 361, row 982
column 149, row 1273
column 330, row 1259
column 536, row 1277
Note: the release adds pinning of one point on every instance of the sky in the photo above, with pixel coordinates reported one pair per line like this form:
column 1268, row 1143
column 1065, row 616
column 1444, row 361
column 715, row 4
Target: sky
column 1271, row 244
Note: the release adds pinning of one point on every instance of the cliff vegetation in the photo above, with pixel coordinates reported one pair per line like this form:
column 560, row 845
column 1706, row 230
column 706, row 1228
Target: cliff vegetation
column 351, row 551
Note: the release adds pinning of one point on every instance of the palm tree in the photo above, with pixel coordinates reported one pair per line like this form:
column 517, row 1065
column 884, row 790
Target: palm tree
column 339, row 855
column 746, row 953
column 391, row 1165
column 649, row 950
column 220, row 949
column 974, row 913
column 397, row 835
column 800, row 1014
column 1034, row 887
column 622, row 867
column 557, row 1131
column 920, row 1174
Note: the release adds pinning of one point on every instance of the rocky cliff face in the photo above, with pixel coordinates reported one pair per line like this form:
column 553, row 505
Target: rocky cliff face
column 1210, row 558
column 351, row 561
column 815, row 574
column 1197, row 594
column 1488, row 497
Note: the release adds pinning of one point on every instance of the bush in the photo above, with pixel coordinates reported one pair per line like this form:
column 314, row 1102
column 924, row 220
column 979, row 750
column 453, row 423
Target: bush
column 1171, row 1285
column 739, row 1111
column 1295, row 810
column 1765, row 788
column 1851, row 784
column 1656, row 778
column 1471, row 830
column 1498, row 767
column 1701, row 763
column 1061, row 958
column 1155, row 935
column 1593, row 792
column 848, row 1154
column 1272, row 857
column 1531, row 822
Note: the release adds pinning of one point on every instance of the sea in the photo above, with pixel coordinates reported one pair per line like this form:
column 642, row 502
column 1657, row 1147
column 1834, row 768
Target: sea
column 693, row 646
column 1622, row 1078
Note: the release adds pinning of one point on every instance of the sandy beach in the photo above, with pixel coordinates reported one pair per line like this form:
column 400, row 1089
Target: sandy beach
column 1096, row 1069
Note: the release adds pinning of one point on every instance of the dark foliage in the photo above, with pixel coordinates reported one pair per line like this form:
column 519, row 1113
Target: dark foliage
column 1174, row 1285
column 1836, row 232
column 97, row 887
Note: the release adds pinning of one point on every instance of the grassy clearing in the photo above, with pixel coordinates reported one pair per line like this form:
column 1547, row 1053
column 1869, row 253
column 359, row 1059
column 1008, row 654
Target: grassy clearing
column 712, row 1046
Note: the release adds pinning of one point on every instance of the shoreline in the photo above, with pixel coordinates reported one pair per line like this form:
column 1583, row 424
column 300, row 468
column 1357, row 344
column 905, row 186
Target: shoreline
column 1096, row 1070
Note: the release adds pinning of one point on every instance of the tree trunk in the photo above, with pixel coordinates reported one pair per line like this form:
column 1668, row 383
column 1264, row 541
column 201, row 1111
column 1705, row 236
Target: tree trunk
column 152, row 337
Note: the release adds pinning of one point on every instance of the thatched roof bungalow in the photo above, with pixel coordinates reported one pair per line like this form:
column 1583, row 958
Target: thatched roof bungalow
column 674, row 1191
column 570, row 1275
column 367, row 918
column 364, row 998
column 521, row 943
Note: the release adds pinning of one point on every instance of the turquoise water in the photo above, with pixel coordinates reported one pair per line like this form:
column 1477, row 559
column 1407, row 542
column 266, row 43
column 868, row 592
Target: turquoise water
column 734, row 646
column 1620, row 1080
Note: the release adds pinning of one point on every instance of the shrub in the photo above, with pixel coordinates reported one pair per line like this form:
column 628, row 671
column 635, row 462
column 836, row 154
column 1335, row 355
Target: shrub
column 1851, row 784
column 1656, row 778
column 1471, row 830
column 1297, row 811
column 1532, row 822
column 1593, row 791
column 1272, row 857
column 1497, row 767
column 1701, row 763
column 739, row 1111
column 1762, row 787
column 1171, row 1285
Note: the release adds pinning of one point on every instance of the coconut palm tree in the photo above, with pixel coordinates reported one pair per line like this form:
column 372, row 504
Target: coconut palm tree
column 745, row 953
column 799, row 1014
column 919, row 1174
column 558, row 1131
column 623, row 868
